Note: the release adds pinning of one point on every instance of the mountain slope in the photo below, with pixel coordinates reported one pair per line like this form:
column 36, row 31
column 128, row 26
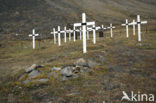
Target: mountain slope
column 20, row 16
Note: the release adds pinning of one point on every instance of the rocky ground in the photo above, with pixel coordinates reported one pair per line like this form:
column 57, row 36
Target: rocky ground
column 52, row 74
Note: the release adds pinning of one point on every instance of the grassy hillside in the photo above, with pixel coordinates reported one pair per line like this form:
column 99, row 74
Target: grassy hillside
column 125, row 65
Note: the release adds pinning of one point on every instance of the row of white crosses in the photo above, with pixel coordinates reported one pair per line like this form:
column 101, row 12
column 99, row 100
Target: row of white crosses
column 83, row 29
column 65, row 31
column 139, row 22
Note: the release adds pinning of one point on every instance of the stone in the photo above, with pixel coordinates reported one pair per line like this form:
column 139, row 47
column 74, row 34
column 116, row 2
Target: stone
column 55, row 69
column 67, row 71
column 81, row 62
column 34, row 74
column 42, row 80
column 84, row 69
column 74, row 76
column 76, row 69
column 26, row 81
column 33, row 67
column 92, row 64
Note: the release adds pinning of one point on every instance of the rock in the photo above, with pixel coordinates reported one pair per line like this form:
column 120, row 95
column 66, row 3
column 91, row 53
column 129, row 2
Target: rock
column 49, row 102
column 74, row 76
column 92, row 64
column 34, row 74
column 81, row 62
column 76, row 69
column 84, row 69
column 55, row 69
column 67, row 71
column 26, row 81
column 42, row 80
column 33, row 67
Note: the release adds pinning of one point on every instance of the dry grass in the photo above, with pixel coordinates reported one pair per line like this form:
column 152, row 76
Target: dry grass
column 88, row 87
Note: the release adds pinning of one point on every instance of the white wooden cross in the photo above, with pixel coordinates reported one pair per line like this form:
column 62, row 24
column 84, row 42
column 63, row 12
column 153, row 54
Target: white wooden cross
column 87, row 34
column 80, row 33
column 76, row 30
column 139, row 22
column 65, row 34
column 74, row 33
column 59, row 35
column 126, row 24
column 111, row 29
column 79, row 30
column 102, row 27
column 84, row 25
column 69, row 31
column 133, row 23
column 94, row 32
column 33, row 35
column 54, row 33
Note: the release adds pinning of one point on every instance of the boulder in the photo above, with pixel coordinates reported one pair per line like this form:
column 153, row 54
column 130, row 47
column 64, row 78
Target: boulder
column 33, row 67
column 81, row 62
column 67, row 71
column 34, row 74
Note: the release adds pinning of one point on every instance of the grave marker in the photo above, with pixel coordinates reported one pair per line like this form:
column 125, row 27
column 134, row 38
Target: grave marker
column 139, row 22
column 54, row 33
column 133, row 23
column 126, row 24
column 111, row 29
column 84, row 25
column 33, row 35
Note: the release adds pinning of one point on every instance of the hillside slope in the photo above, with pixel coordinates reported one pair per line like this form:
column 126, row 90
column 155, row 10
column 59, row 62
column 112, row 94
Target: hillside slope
column 20, row 16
